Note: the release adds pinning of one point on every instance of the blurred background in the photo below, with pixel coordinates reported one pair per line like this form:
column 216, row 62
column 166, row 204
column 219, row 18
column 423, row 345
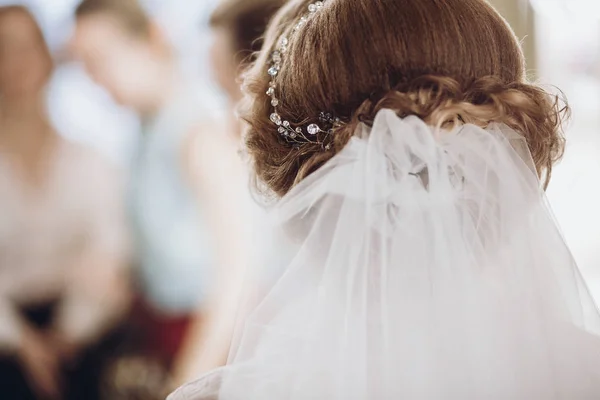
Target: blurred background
column 133, row 189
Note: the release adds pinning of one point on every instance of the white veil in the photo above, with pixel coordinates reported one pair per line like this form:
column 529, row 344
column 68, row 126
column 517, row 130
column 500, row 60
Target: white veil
column 429, row 267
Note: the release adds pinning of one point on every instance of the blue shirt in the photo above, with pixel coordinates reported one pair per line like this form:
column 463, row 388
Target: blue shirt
column 172, row 240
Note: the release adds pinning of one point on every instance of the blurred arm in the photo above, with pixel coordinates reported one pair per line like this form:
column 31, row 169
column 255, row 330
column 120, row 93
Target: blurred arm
column 98, row 290
column 218, row 176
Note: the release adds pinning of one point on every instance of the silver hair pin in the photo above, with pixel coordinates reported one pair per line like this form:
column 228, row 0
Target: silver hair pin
column 314, row 133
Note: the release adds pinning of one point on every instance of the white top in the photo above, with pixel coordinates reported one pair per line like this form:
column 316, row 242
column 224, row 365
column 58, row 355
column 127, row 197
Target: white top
column 46, row 234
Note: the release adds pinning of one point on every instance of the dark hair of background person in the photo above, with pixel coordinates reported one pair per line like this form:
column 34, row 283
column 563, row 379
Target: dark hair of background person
column 247, row 21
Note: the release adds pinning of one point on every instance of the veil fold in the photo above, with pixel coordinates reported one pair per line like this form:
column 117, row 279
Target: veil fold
column 429, row 266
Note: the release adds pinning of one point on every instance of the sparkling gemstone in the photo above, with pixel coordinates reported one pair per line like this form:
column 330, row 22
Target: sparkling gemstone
column 276, row 118
column 270, row 91
column 319, row 4
column 274, row 102
column 281, row 129
column 303, row 19
column 299, row 130
column 313, row 129
column 293, row 135
column 277, row 56
column 286, row 124
column 273, row 71
column 328, row 146
column 312, row 8
column 284, row 41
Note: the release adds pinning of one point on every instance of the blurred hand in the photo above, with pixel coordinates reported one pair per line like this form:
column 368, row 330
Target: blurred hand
column 66, row 350
column 41, row 364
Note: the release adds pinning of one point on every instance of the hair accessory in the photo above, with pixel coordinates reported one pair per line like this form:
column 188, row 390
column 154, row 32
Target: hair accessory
column 313, row 133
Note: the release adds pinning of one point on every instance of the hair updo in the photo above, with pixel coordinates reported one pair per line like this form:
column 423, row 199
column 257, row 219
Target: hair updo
column 441, row 60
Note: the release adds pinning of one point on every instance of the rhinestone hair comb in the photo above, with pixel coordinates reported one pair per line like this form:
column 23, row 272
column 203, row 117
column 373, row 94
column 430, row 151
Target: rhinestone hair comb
column 314, row 133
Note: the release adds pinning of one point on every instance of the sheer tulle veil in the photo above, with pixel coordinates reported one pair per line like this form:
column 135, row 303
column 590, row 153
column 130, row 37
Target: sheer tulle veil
column 429, row 266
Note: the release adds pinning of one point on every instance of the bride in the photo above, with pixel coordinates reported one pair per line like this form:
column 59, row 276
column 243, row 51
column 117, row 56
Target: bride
column 410, row 154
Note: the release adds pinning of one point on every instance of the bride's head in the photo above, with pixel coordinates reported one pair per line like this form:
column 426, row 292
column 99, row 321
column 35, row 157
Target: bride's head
column 446, row 61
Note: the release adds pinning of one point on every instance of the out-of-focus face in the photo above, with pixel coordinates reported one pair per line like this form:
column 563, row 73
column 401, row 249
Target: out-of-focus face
column 223, row 62
column 25, row 63
column 116, row 59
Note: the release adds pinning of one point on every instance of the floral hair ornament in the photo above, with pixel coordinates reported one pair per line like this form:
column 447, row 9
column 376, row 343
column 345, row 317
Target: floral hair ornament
column 296, row 135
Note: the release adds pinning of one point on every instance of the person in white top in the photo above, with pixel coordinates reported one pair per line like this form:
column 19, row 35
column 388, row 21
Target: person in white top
column 238, row 27
column 190, row 231
column 62, row 243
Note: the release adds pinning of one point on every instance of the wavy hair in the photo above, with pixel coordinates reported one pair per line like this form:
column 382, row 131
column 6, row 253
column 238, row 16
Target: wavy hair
column 447, row 62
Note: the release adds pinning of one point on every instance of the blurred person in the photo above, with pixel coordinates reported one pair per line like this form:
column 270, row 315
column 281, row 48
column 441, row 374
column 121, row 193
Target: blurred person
column 186, row 197
column 63, row 284
column 238, row 27
column 410, row 154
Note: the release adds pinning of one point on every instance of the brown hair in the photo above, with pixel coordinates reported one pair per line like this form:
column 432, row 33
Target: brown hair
column 442, row 60
column 6, row 11
column 129, row 13
column 247, row 21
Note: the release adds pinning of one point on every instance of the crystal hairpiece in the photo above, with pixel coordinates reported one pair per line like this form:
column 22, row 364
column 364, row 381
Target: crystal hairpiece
column 314, row 133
